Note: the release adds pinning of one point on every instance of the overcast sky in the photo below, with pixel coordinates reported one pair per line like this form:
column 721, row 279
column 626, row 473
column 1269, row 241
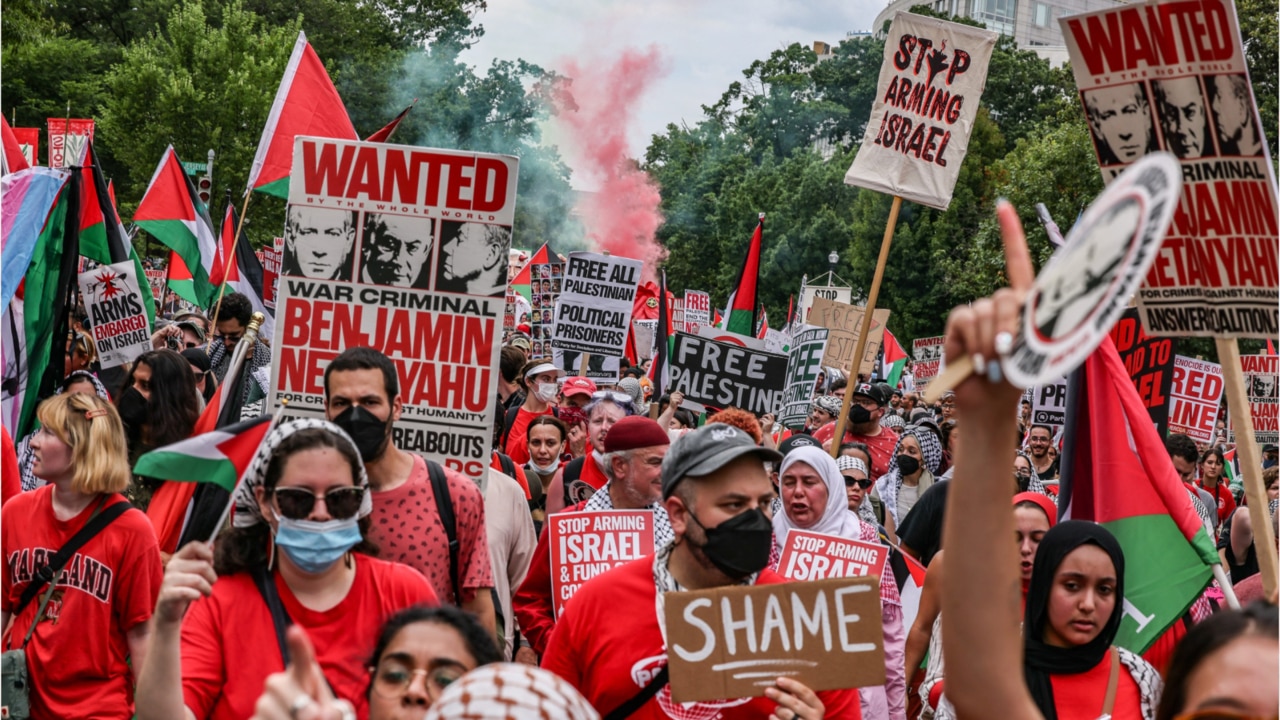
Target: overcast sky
column 706, row 43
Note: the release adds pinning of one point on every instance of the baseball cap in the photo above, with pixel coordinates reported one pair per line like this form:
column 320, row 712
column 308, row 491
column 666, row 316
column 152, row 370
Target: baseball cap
column 578, row 386
column 545, row 367
column 193, row 328
column 705, row 450
column 874, row 391
column 797, row 441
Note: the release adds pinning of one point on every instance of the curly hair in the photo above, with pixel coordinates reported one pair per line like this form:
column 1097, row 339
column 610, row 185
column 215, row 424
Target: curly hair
column 741, row 419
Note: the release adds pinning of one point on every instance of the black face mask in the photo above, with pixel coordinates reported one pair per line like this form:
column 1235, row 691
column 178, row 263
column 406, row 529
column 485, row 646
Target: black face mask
column 132, row 408
column 907, row 464
column 859, row 415
column 368, row 432
column 740, row 545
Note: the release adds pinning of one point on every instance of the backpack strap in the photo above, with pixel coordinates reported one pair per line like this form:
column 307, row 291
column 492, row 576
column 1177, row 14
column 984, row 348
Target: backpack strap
column 279, row 617
column 508, row 465
column 46, row 574
column 571, row 472
column 444, row 506
column 628, row 708
column 507, row 421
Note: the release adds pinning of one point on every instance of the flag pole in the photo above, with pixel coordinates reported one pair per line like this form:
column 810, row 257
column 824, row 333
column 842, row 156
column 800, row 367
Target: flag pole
column 231, row 501
column 861, row 346
column 1250, row 461
column 231, row 256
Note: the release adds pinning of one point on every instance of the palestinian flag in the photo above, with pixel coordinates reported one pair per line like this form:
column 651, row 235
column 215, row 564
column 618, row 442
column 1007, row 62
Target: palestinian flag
column 1116, row 472
column 1232, row 471
column 764, row 324
column 173, row 213
column 908, row 575
column 243, row 271
column 103, row 238
column 659, row 371
column 307, row 103
column 893, row 359
column 384, row 135
column 523, row 280
column 181, row 282
column 740, row 312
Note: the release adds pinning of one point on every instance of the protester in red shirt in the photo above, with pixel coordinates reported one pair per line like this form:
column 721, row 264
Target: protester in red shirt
column 1212, row 464
column 540, row 378
column 301, row 514
column 583, row 476
column 866, row 409
column 548, row 437
column 577, row 391
column 94, row 624
column 609, row 644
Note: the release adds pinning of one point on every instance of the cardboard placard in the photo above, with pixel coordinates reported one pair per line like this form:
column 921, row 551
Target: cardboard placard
column 735, row 641
column 546, row 282
column 414, row 270
column 817, row 556
column 1194, row 398
column 927, row 353
column 697, row 310
column 845, row 322
column 1150, row 364
column 117, row 316
column 926, row 103
column 586, row 544
column 594, row 311
column 719, row 375
column 804, row 363
column 1260, row 386
column 1155, row 76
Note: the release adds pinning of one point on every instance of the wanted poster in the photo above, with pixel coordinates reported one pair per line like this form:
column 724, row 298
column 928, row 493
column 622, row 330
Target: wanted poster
column 926, row 102
column 545, row 283
column 714, row 375
column 117, row 316
column 594, row 311
column 1172, row 77
column 697, row 310
column 845, row 323
column 1149, row 361
column 586, row 544
column 817, row 556
column 1197, row 390
column 1260, row 385
column 927, row 354
column 402, row 249
column 804, row 365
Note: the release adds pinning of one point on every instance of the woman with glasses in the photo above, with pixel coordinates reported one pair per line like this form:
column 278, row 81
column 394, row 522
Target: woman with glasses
column 856, row 487
column 296, row 544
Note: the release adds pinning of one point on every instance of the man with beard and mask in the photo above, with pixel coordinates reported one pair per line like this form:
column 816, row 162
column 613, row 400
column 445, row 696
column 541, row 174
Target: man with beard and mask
column 716, row 493
column 865, row 411
column 362, row 396
column 633, row 453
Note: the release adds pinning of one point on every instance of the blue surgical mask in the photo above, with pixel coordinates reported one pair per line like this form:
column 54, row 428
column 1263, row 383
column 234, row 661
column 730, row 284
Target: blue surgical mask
column 315, row 546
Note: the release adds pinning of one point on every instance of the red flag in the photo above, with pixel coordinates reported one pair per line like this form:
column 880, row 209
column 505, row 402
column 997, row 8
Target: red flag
column 14, row 160
column 384, row 135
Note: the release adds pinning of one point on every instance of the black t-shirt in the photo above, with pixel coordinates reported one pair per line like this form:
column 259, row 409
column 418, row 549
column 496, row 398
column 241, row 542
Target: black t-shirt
column 1051, row 473
column 921, row 529
column 1239, row 568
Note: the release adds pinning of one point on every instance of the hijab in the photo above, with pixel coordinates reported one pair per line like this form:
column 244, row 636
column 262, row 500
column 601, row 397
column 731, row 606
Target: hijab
column 930, row 449
column 836, row 518
column 1044, row 660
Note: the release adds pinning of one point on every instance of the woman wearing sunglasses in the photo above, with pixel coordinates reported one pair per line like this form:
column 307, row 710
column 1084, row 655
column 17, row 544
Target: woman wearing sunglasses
column 856, row 485
column 297, row 542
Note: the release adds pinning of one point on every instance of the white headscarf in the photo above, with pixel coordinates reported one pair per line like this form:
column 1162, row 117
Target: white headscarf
column 836, row 518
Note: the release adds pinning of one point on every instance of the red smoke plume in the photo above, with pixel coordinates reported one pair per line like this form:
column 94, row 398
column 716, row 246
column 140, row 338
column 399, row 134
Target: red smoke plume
column 622, row 216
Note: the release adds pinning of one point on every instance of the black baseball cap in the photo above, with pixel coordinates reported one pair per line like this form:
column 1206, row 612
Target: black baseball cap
column 797, row 441
column 705, row 450
column 875, row 391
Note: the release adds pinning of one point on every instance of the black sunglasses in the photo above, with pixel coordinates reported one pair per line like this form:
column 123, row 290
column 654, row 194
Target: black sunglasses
column 863, row 483
column 297, row 503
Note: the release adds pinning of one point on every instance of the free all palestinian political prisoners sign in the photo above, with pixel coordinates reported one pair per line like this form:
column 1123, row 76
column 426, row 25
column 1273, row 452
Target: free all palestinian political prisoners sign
column 402, row 249
column 734, row 641
column 586, row 544
column 716, row 374
column 593, row 314
column 1172, row 76
column 926, row 102
column 117, row 316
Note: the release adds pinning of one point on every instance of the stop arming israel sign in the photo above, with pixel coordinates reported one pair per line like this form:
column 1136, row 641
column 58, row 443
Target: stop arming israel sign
column 926, row 101
column 817, row 556
column 586, row 544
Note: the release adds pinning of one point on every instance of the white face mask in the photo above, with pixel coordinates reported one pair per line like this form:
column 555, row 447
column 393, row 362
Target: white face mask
column 545, row 469
column 546, row 392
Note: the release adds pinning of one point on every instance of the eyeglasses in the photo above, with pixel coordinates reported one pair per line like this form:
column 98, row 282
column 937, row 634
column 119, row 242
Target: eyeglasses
column 234, row 338
column 297, row 503
column 391, row 679
column 612, row 396
column 850, row 481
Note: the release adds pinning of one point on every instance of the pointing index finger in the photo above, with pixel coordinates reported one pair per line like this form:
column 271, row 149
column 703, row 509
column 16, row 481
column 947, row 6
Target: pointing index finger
column 1017, row 258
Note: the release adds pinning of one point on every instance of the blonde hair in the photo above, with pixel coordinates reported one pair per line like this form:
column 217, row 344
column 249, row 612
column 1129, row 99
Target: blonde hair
column 83, row 343
column 92, row 428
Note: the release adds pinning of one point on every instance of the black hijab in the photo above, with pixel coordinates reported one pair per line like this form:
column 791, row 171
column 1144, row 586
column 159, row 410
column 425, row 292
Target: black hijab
column 1043, row 660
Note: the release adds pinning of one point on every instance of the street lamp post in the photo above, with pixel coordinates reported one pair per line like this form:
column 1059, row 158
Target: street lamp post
column 833, row 258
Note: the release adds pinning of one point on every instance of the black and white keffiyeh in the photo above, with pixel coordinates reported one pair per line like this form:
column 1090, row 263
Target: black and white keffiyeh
column 662, row 533
column 888, row 485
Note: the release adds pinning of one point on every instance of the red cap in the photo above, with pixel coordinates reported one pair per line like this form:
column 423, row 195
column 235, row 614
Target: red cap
column 578, row 386
column 636, row 431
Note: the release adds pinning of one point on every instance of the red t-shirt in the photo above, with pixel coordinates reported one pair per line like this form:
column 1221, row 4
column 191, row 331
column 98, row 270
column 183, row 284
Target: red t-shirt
column 10, row 476
column 77, row 655
column 406, row 528
column 517, row 441
column 1220, row 493
column 881, row 446
column 607, row 644
column 229, row 641
column 533, row 604
column 1080, row 696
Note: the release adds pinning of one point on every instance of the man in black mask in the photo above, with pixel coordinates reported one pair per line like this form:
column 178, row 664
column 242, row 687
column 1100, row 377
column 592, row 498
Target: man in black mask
column 866, row 407
column 608, row 642
column 362, row 396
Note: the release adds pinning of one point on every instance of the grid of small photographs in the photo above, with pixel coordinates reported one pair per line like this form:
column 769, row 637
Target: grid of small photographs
column 544, row 290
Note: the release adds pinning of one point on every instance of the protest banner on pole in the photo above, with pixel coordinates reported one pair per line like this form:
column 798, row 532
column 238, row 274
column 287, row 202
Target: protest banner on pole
column 845, row 322
column 117, row 317
column 544, row 291
column 826, row 634
column 697, row 310
column 1260, row 387
column 29, row 144
column 927, row 353
column 817, row 556
column 1049, row 405
column 69, row 141
column 1149, row 361
column 926, row 103
column 1194, row 398
column 586, row 544
column 593, row 314
column 714, row 374
column 1151, row 76
column 804, row 364
column 365, row 221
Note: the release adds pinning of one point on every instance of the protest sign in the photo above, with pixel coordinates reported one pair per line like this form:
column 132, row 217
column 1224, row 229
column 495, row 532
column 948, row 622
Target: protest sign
column 117, row 317
column 599, row 369
column 156, row 278
column 1150, row 364
column 926, row 103
column 594, row 311
column 29, row 144
column 646, row 334
column 1194, row 398
column 270, row 258
column 817, row 556
column 586, row 544
column 364, row 222
column 69, row 141
column 734, row 641
column 1151, row 75
column 776, row 341
column 1049, row 405
column 804, row 364
column 845, row 322
column 1260, row 386
column 544, row 291
column 927, row 353
column 718, row 375
column 809, row 293
column 697, row 310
